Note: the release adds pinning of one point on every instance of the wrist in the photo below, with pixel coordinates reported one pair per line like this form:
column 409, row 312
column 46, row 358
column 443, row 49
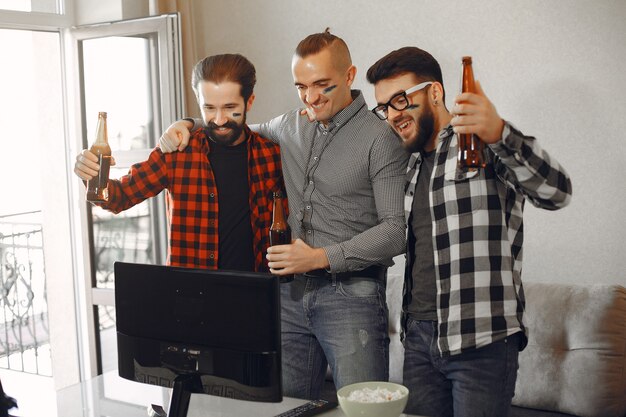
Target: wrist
column 498, row 133
column 321, row 259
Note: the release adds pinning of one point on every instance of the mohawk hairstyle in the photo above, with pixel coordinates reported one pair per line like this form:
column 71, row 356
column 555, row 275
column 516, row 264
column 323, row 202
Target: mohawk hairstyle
column 317, row 42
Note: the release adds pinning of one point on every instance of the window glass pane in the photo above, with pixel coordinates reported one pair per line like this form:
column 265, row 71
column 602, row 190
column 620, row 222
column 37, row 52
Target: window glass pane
column 40, row 6
column 127, row 236
column 30, row 91
column 117, row 81
column 30, row 87
column 108, row 337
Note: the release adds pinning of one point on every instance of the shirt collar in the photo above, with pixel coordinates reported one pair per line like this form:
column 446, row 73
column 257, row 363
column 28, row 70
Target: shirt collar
column 446, row 131
column 417, row 157
column 344, row 115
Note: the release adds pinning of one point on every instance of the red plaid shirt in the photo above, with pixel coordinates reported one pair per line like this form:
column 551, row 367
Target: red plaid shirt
column 192, row 197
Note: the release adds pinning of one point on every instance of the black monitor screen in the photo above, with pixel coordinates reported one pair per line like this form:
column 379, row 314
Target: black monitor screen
column 218, row 331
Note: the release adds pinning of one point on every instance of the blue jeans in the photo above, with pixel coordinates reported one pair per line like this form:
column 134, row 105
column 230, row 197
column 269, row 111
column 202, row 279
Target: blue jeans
column 341, row 323
column 475, row 383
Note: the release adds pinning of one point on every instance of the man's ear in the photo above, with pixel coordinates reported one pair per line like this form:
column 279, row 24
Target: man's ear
column 250, row 101
column 350, row 75
column 436, row 93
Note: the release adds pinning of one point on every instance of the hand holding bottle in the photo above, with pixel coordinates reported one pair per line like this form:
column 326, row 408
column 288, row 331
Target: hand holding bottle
column 475, row 114
column 296, row 258
column 87, row 166
column 280, row 232
column 93, row 165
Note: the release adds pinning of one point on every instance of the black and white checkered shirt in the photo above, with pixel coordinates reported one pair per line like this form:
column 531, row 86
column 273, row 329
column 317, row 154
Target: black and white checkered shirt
column 345, row 184
column 478, row 233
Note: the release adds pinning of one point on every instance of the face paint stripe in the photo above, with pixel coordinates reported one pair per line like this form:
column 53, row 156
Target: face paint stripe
column 329, row 89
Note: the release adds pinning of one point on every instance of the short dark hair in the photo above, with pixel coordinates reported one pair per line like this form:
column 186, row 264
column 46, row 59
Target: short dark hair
column 225, row 67
column 317, row 42
column 407, row 60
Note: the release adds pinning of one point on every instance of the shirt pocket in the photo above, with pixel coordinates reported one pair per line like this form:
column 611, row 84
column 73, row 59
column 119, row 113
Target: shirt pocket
column 464, row 192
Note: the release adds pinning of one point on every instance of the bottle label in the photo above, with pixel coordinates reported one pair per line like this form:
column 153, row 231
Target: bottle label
column 97, row 186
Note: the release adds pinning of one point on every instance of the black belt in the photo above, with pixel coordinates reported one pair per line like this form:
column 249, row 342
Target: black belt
column 374, row 271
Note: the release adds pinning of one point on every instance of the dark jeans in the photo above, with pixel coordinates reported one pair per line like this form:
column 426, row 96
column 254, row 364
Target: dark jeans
column 476, row 383
column 340, row 323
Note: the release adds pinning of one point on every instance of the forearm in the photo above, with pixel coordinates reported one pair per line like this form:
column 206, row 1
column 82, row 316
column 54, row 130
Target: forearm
column 144, row 180
column 273, row 129
column 380, row 243
column 269, row 130
column 376, row 245
column 118, row 200
column 532, row 171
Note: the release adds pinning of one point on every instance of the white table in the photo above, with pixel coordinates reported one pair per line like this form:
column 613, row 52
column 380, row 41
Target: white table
column 109, row 395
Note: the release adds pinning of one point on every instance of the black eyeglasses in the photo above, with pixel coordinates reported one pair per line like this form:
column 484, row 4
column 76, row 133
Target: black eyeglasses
column 398, row 102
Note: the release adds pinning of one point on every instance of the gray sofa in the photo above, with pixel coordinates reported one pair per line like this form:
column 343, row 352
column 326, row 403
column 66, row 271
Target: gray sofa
column 575, row 361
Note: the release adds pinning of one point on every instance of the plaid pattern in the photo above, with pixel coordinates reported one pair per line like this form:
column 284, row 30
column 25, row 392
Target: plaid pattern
column 192, row 199
column 478, row 234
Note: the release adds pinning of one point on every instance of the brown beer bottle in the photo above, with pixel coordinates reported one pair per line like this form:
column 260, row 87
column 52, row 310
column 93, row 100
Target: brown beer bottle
column 280, row 232
column 470, row 155
column 97, row 186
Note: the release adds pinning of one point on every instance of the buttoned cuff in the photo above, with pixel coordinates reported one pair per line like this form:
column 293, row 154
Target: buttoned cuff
column 336, row 260
column 510, row 141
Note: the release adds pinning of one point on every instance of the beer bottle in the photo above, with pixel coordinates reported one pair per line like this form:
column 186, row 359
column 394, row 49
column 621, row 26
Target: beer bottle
column 470, row 155
column 97, row 186
column 280, row 232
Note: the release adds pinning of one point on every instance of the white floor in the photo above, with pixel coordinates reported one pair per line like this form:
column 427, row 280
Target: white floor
column 35, row 394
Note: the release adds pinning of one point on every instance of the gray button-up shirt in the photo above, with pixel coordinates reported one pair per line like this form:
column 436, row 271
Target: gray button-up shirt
column 345, row 184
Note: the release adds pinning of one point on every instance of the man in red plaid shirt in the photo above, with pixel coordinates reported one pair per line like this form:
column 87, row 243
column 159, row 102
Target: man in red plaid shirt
column 219, row 188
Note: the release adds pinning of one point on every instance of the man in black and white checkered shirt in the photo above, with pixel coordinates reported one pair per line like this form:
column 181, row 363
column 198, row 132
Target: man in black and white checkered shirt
column 463, row 297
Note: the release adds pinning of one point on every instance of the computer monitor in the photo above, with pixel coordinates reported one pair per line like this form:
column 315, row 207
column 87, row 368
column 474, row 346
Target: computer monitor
column 199, row 331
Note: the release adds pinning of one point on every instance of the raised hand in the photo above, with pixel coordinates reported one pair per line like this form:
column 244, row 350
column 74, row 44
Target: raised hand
column 176, row 136
column 475, row 114
column 87, row 166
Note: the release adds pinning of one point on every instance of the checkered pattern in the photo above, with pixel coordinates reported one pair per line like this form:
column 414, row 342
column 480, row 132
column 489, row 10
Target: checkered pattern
column 478, row 234
column 192, row 199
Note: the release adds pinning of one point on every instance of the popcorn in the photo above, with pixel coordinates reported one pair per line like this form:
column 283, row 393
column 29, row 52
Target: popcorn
column 378, row 395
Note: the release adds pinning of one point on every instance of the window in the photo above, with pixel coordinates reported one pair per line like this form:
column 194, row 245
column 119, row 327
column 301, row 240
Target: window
column 32, row 98
column 40, row 6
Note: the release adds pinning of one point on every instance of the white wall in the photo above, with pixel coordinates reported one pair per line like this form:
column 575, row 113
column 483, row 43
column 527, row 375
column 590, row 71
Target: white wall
column 97, row 11
column 553, row 68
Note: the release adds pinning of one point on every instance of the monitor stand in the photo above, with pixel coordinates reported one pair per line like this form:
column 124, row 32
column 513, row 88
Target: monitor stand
column 184, row 386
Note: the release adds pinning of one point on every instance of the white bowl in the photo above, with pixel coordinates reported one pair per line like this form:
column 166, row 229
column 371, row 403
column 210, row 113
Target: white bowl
column 391, row 408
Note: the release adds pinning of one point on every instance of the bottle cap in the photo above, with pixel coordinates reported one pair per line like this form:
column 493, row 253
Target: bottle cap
column 278, row 194
column 103, row 114
column 467, row 59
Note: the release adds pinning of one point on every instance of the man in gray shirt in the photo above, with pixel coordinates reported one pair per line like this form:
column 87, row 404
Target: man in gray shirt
column 344, row 174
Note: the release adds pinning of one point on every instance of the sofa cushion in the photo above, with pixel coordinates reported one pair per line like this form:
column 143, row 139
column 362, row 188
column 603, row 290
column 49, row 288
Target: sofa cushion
column 576, row 355
column 395, row 283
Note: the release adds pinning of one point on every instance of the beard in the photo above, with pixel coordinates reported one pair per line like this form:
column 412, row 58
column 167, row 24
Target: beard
column 225, row 139
column 426, row 125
